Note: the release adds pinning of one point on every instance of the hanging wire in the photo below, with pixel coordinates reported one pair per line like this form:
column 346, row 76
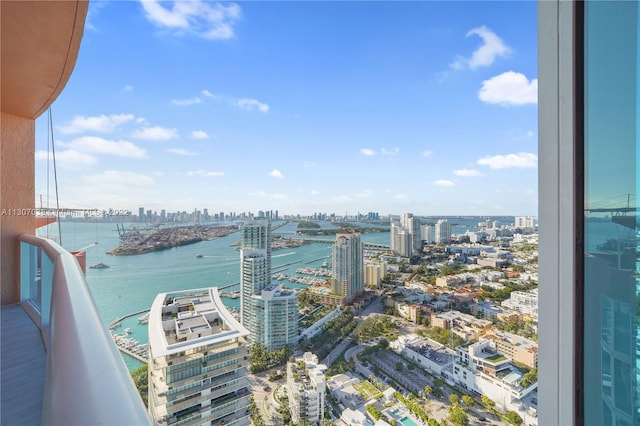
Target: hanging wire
column 55, row 178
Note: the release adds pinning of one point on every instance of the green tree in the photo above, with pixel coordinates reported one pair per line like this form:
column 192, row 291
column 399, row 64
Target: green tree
column 457, row 416
column 140, row 377
column 454, row 399
column 468, row 401
column 529, row 378
column 514, row 418
column 427, row 391
column 487, row 402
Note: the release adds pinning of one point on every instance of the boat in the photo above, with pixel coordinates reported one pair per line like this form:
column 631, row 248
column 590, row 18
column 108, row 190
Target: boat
column 99, row 266
column 144, row 319
column 128, row 331
column 199, row 256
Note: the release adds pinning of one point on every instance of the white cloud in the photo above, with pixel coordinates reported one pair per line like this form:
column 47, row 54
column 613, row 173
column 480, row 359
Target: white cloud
column 314, row 192
column 199, row 134
column 467, row 172
column 70, row 156
column 182, row 151
column 427, row 153
column 208, row 94
column 520, row 160
column 279, row 197
column 128, row 88
column 184, row 102
column 509, row 88
column 252, row 104
column 212, row 21
column 309, row 164
column 276, row 174
column 117, row 178
column 401, row 197
column 155, row 133
column 98, row 145
column 485, row 55
column 368, row 152
column 100, row 123
column 204, row 173
column 444, row 182
column 530, row 134
column 257, row 194
column 387, row 152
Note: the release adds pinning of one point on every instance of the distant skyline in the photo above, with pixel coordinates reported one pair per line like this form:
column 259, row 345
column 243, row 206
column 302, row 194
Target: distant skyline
column 300, row 107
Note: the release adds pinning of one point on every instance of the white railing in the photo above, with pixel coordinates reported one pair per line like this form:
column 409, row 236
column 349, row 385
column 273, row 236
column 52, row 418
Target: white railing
column 87, row 381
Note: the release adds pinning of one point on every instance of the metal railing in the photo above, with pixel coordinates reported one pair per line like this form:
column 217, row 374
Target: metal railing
column 87, row 381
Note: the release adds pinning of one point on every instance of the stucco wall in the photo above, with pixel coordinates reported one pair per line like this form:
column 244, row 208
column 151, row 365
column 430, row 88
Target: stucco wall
column 17, row 189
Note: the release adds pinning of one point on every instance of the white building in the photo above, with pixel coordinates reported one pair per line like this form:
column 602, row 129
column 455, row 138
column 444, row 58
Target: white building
column 430, row 355
column 525, row 222
column 428, row 234
column 401, row 240
column 347, row 266
column 482, row 369
column 525, row 302
column 442, row 231
column 412, row 224
column 306, row 388
column 197, row 361
column 267, row 311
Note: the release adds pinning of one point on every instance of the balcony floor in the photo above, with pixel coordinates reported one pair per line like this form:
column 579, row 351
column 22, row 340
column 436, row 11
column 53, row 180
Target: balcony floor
column 22, row 368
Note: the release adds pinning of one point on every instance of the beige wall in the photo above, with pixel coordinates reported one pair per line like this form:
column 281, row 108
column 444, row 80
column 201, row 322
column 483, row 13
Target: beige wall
column 16, row 197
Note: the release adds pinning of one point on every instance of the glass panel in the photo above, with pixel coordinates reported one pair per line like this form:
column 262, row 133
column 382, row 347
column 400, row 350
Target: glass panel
column 611, row 177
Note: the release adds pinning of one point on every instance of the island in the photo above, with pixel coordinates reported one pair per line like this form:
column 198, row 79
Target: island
column 135, row 242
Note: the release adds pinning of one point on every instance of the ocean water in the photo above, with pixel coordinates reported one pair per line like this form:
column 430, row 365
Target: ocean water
column 132, row 282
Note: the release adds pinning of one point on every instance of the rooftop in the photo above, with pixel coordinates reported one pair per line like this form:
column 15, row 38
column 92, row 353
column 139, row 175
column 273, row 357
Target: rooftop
column 189, row 319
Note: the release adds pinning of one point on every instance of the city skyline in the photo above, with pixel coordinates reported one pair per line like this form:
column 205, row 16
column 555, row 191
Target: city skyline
column 429, row 107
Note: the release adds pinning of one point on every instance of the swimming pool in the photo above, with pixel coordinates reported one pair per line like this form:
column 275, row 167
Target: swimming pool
column 406, row 421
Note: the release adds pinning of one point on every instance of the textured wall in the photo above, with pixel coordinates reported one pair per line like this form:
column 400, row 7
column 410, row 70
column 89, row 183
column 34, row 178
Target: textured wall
column 17, row 196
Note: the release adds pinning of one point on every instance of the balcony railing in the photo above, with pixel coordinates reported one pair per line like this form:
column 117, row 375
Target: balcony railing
column 86, row 380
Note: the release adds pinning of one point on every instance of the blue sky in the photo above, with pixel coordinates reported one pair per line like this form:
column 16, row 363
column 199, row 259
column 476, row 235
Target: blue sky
column 301, row 107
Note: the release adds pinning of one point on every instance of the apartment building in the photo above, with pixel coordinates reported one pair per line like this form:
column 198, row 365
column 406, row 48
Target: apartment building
column 268, row 311
column 347, row 266
column 306, row 388
column 518, row 348
column 198, row 363
column 525, row 302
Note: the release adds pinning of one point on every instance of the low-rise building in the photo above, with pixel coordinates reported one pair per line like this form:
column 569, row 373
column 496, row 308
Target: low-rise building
column 526, row 302
column 518, row 348
column 198, row 363
column 480, row 368
column 430, row 355
column 306, row 388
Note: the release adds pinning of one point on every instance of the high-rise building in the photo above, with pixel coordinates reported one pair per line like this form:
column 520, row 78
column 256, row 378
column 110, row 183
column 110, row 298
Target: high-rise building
column 401, row 240
column 269, row 312
column 428, row 234
column 442, row 231
column 306, row 388
column 589, row 103
column 412, row 224
column 141, row 214
column 198, row 364
column 347, row 265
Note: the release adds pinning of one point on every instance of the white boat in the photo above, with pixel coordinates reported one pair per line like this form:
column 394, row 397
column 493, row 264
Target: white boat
column 128, row 331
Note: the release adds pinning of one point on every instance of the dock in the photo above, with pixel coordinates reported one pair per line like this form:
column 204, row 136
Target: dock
column 115, row 323
column 131, row 347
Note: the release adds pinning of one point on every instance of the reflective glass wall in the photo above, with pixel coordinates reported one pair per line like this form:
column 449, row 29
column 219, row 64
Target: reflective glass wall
column 611, row 339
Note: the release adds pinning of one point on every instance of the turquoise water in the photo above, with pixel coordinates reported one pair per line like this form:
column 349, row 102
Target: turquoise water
column 132, row 282
column 407, row 421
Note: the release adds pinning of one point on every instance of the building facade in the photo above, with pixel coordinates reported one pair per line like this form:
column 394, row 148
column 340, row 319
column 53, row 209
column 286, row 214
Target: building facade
column 306, row 388
column 347, row 266
column 198, row 367
column 269, row 312
column 442, row 231
column 588, row 156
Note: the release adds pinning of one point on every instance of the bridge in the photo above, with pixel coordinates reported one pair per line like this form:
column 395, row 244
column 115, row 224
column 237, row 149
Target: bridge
column 370, row 246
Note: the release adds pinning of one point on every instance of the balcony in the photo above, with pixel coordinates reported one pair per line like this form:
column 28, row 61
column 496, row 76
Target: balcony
column 59, row 363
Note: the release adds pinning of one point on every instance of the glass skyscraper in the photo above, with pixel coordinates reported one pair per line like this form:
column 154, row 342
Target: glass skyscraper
column 268, row 311
column 589, row 173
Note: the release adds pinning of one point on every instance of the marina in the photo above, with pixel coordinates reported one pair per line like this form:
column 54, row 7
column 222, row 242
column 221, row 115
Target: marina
column 131, row 346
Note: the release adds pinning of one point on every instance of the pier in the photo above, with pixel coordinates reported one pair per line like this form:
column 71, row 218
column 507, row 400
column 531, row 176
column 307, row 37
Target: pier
column 115, row 323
